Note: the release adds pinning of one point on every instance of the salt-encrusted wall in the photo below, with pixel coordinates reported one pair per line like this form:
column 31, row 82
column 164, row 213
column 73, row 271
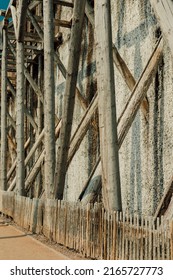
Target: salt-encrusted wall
column 146, row 154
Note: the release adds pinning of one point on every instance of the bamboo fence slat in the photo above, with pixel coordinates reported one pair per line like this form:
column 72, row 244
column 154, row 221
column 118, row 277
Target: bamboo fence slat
column 90, row 230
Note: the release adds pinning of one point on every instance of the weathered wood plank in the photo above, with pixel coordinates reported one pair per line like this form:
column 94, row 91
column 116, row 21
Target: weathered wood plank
column 49, row 98
column 37, row 165
column 128, row 114
column 164, row 13
column 28, row 75
column 166, row 201
column 56, row 57
column 107, row 107
column 69, row 96
column 119, row 63
column 82, row 129
column 4, row 113
column 128, row 78
column 21, row 19
column 139, row 92
column 20, row 118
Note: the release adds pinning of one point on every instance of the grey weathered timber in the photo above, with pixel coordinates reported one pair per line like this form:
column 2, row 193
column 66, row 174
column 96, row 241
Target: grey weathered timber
column 20, row 118
column 29, row 156
column 11, row 120
column 128, row 78
column 21, row 19
column 39, row 121
column 13, row 166
column 56, row 57
column 89, row 11
column 134, row 101
column 88, row 186
column 4, row 113
column 120, row 63
column 49, row 98
column 165, row 200
column 131, row 109
column 164, row 13
column 82, row 129
column 14, row 18
column 107, row 107
column 63, row 3
column 69, row 96
column 40, row 160
column 28, row 75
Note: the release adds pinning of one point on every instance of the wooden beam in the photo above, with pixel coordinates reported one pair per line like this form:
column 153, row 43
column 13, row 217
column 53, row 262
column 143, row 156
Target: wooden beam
column 20, row 118
column 56, row 58
column 4, row 113
column 49, row 100
column 82, row 129
column 107, row 107
column 163, row 10
column 120, row 63
column 129, row 79
column 14, row 18
column 139, row 92
column 11, row 120
column 132, row 107
column 21, row 13
column 69, row 96
column 8, row 11
column 36, row 168
column 89, row 11
column 28, row 75
column 26, row 111
column 165, row 200
column 62, row 23
column 13, row 166
column 63, row 3
column 27, row 159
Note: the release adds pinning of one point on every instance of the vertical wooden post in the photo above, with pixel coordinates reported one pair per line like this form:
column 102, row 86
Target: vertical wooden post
column 49, row 97
column 69, row 97
column 20, row 118
column 4, row 112
column 40, row 121
column 107, row 107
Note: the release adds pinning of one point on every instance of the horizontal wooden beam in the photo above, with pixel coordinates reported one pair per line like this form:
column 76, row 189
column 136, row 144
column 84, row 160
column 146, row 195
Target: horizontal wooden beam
column 62, row 23
column 63, row 3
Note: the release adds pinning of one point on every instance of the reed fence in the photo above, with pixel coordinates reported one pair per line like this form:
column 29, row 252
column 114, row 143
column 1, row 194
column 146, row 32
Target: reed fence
column 90, row 230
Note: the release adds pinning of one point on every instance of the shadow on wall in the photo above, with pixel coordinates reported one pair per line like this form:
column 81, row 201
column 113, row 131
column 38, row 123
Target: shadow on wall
column 129, row 39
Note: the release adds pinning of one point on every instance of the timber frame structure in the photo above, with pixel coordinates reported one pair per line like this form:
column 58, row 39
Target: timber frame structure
column 32, row 164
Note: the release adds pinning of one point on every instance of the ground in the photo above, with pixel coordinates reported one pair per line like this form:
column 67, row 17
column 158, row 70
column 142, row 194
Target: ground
column 16, row 244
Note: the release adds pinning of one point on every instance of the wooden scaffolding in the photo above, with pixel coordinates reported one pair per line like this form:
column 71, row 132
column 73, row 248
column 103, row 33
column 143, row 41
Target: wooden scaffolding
column 29, row 124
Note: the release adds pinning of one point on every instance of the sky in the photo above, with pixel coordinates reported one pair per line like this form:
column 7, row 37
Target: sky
column 3, row 5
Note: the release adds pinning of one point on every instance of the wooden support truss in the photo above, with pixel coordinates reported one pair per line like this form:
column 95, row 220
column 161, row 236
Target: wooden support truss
column 28, row 58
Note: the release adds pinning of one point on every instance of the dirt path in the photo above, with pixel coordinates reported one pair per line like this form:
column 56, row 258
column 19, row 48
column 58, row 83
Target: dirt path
column 15, row 244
